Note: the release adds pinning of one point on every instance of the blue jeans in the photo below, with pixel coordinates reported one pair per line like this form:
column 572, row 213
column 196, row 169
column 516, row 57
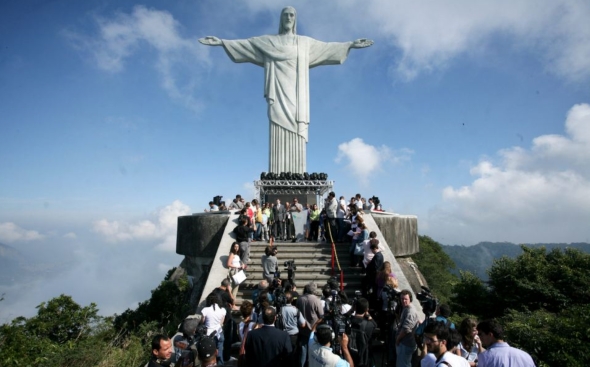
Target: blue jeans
column 404, row 355
column 220, row 340
column 303, row 354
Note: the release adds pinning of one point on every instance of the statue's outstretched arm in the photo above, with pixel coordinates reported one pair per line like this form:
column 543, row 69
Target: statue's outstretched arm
column 360, row 43
column 210, row 41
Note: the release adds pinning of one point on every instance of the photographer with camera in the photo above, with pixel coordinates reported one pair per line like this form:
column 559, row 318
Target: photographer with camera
column 320, row 351
column 184, row 341
column 363, row 330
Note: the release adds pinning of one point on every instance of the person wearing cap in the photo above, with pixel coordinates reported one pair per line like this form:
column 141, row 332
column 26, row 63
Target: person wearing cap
column 207, row 352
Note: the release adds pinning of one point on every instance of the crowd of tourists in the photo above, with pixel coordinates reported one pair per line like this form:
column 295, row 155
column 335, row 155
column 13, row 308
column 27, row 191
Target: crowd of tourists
column 322, row 326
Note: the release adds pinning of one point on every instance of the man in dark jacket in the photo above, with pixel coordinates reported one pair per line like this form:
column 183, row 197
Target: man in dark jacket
column 242, row 233
column 279, row 214
column 373, row 267
column 268, row 346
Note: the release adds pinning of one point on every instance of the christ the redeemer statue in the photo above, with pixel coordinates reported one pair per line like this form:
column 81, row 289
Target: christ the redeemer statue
column 286, row 59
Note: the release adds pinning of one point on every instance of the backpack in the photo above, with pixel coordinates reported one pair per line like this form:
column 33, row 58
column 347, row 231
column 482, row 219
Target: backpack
column 358, row 344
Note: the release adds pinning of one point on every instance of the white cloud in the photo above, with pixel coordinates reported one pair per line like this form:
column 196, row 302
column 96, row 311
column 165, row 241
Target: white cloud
column 250, row 191
column 364, row 159
column 161, row 227
column 120, row 37
column 536, row 195
column 70, row 235
column 10, row 232
column 430, row 34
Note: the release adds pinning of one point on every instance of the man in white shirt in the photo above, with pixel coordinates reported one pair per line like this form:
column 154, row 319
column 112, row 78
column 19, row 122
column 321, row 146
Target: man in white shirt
column 340, row 215
column 212, row 207
column 436, row 338
column 320, row 351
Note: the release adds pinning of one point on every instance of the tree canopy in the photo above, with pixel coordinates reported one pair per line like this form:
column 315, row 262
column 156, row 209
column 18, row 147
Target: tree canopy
column 542, row 299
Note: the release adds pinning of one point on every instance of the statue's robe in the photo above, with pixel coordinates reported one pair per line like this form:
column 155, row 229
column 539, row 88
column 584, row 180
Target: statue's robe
column 286, row 60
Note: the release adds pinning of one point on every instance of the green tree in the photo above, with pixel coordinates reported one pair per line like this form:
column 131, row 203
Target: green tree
column 167, row 306
column 61, row 320
column 435, row 265
column 540, row 280
column 43, row 339
column 553, row 339
column 542, row 299
column 470, row 296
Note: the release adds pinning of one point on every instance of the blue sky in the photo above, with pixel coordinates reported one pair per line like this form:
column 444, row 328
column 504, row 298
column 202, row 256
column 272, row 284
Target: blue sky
column 115, row 120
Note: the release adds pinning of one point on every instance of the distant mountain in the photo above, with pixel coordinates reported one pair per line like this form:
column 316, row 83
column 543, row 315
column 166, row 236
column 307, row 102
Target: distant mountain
column 479, row 258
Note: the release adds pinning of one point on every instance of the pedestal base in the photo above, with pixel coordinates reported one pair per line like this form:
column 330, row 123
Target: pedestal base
column 306, row 191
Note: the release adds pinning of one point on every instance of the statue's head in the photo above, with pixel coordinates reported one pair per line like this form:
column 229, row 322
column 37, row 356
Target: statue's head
column 288, row 22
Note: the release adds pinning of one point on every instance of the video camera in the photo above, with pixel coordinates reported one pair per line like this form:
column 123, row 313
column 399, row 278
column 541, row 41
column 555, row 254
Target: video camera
column 392, row 295
column 290, row 266
column 428, row 301
column 280, row 299
column 338, row 322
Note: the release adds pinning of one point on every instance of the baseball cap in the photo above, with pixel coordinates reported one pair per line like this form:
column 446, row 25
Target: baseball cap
column 206, row 347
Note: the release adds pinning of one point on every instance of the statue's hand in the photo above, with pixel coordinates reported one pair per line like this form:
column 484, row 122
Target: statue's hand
column 361, row 43
column 210, row 41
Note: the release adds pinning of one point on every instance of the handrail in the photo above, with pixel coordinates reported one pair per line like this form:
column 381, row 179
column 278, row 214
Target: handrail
column 335, row 255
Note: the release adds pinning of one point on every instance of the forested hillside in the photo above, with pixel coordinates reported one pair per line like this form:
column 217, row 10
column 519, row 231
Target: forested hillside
column 542, row 297
column 478, row 259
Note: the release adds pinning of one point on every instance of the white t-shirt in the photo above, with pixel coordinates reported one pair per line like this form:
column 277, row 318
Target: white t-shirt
column 341, row 213
column 213, row 318
column 453, row 359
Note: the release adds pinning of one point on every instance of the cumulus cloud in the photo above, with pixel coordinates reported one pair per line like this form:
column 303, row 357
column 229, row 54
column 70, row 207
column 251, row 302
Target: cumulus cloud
column 364, row 159
column 541, row 194
column 70, row 235
column 430, row 34
column 124, row 34
column 10, row 232
column 160, row 227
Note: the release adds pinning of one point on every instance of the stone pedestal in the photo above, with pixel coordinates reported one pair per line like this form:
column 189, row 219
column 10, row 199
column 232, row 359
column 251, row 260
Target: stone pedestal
column 400, row 232
column 199, row 234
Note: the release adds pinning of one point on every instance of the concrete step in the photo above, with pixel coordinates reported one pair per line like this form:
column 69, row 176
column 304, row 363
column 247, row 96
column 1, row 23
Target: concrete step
column 313, row 262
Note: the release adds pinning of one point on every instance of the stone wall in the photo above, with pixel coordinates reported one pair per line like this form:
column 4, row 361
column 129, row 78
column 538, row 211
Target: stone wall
column 400, row 232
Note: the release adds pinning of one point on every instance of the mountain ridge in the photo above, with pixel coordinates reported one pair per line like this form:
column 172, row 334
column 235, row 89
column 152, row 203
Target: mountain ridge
column 478, row 258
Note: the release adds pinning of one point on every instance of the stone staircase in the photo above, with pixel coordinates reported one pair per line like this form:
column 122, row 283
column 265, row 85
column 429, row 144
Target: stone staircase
column 313, row 262
column 206, row 256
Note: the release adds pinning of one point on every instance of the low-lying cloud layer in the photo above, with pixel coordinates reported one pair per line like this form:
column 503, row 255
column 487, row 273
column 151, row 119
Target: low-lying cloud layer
column 161, row 227
column 10, row 232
